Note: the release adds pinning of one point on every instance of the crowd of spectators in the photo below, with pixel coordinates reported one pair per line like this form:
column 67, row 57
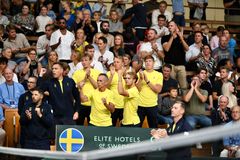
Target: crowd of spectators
column 120, row 66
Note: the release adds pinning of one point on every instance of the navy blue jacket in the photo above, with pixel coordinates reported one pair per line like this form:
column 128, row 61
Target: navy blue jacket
column 64, row 104
column 183, row 153
column 37, row 128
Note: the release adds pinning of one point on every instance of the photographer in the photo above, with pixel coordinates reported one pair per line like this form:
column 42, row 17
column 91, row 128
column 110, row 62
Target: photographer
column 28, row 68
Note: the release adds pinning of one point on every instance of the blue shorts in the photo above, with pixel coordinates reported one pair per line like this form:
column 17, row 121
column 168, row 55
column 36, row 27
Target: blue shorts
column 179, row 20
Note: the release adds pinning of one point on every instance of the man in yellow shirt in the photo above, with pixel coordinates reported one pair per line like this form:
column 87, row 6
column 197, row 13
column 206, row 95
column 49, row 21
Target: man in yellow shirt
column 149, row 85
column 113, row 86
column 131, row 99
column 87, row 79
column 101, row 102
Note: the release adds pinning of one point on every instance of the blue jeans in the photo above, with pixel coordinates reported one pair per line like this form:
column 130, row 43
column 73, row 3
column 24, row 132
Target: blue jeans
column 202, row 120
column 165, row 119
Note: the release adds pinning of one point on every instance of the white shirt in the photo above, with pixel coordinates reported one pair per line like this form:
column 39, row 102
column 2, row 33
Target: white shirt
column 214, row 42
column 192, row 52
column 64, row 49
column 148, row 48
column 73, row 68
column 42, row 44
column 156, row 13
column 42, row 21
column 160, row 31
column 106, row 56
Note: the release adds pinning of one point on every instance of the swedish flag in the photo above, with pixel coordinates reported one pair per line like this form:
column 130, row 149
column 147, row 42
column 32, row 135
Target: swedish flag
column 71, row 140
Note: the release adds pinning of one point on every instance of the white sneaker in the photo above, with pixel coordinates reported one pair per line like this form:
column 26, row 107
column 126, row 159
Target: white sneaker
column 199, row 146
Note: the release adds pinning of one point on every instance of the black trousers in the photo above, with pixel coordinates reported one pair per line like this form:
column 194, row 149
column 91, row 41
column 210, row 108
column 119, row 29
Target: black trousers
column 84, row 113
column 151, row 113
column 117, row 114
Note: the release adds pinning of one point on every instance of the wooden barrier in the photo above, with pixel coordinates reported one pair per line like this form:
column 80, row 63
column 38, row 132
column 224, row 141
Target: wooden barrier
column 12, row 127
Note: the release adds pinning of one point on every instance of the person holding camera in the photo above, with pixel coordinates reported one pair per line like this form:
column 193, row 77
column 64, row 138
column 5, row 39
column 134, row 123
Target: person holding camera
column 28, row 68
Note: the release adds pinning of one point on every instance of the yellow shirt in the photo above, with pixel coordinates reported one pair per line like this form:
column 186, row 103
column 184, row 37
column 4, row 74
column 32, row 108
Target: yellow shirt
column 80, row 49
column 61, row 85
column 130, row 115
column 118, row 99
column 79, row 75
column 100, row 115
column 148, row 98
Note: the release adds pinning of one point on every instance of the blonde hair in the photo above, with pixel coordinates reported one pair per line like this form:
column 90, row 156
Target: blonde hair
column 232, row 99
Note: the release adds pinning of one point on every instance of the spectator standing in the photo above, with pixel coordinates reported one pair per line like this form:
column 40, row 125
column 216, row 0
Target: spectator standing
column 68, row 14
column 61, row 41
column 178, row 13
column 100, row 6
column 197, row 9
column 174, row 47
column 231, row 44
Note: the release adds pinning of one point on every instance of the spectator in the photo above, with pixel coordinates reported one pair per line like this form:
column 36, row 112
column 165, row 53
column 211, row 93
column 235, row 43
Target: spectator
column 3, row 19
column 179, row 125
column 152, row 48
column 231, row 43
column 38, row 5
column 206, row 85
column 75, row 64
column 228, row 90
column 24, row 21
column 217, row 85
column 97, row 19
column 103, row 55
column 78, row 19
column 194, row 52
column 118, row 99
column 42, row 20
column 105, row 30
column 101, row 102
column 95, row 40
column 207, row 61
column 196, row 26
column 79, row 42
column 178, row 13
column 7, row 53
column 50, row 12
column 205, row 31
column 86, row 78
column 29, row 68
column 219, row 117
column 222, row 52
column 119, row 6
column 10, row 91
column 52, row 58
column 163, row 11
column 16, row 7
column 197, row 9
column 131, row 97
column 68, row 14
column 88, row 25
column 151, row 5
column 61, row 41
column 37, row 119
column 18, row 43
column 118, row 48
column 3, row 66
column 164, row 113
column 195, row 98
column 136, row 17
column 231, row 143
column 2, row 131
column 127, row 63
column 161, row 28
column 149, row 85
column 168, row 82
column 116, row 26
column 43, row 46
column 89, row 49
column 174, row 47
column 100, row 6
column 214, row 42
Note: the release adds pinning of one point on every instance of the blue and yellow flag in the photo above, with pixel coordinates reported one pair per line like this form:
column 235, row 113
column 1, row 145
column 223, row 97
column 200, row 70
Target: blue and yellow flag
column 71, row 140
